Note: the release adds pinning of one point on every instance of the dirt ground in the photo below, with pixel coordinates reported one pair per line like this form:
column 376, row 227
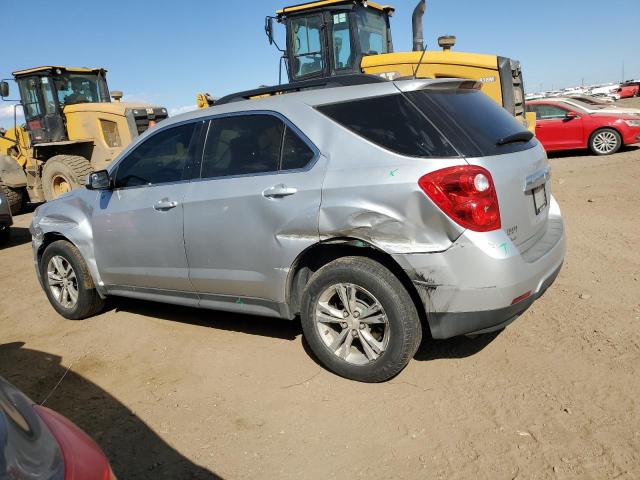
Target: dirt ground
column 172, row 392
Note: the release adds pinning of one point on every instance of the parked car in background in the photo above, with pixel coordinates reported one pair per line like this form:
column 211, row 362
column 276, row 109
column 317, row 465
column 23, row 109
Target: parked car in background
column 560, row 126
column 592, row 99
column 38, row 443
column 365, row 209
column 599, row 108
column 5, row 218
column 628, row 90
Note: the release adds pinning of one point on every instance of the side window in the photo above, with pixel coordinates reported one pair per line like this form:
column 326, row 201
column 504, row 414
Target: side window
column 342, row 57
column 29, row 93
column 295, row 152
column 306, row 37
column 47, row 93
column 549, row 112
column 240, row 145
column 160, row 159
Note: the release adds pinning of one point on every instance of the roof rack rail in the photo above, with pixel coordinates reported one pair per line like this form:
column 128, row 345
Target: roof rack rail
column 331, row 82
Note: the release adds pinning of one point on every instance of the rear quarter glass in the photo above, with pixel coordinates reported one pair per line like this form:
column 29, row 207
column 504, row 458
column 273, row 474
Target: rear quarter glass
column 393, row 123
column 471, row 121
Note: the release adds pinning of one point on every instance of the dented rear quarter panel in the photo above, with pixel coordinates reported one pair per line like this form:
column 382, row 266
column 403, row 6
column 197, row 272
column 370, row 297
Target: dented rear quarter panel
column 372, row 194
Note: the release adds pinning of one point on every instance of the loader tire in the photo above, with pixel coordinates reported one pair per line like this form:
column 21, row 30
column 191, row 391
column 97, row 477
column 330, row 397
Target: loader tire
column 15, row 197
column 64, row 173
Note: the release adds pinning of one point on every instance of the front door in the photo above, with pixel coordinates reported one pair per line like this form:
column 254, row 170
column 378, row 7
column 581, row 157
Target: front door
column 138, row 226
column 253, row 211
column 555, row 130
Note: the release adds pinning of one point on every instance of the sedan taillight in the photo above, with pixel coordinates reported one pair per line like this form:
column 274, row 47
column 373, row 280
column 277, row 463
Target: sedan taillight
column 83, row 458
column 466, row 194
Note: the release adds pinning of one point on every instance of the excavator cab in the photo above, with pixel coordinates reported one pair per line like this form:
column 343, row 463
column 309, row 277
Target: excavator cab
column 72, row 127
column 331, row 37
column 45, row 92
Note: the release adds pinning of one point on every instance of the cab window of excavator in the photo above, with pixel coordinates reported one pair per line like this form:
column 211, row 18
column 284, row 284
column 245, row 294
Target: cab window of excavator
column 78, row 88
column 306, row 40
column 47, row 94
column 341, row 39
column 30, row 97
column 372, row 32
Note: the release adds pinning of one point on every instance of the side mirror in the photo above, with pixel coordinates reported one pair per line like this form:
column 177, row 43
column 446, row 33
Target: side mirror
column 99, row 180
column 571, row 115
column 268, row 29
column 4, row 89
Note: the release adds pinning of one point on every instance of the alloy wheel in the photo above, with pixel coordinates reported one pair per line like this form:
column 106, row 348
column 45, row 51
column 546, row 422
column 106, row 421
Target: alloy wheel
column 605, row 142
column 62, row 281
column 352, row 323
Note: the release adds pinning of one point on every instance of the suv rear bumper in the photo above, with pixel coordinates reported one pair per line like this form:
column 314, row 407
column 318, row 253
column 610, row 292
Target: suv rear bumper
column 477, row 285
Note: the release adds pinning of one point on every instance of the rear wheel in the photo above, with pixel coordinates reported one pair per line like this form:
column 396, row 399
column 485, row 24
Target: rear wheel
column 15, row 197
column 68, row 283
column 63, row 173
column 605, row 141
column 359, row 320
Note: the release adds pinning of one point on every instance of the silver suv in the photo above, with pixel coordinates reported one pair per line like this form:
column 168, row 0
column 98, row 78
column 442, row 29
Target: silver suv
column 368, row 211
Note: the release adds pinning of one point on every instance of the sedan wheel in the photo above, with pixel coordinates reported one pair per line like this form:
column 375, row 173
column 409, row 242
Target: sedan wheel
column 62, row 282
column 605, row 142
column 352, row 323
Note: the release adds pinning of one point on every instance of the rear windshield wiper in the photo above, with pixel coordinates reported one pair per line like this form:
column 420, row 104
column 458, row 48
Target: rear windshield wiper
column 516, row 137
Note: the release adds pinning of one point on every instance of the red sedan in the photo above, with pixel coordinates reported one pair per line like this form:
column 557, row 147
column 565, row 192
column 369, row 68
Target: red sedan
column 628, row 90
column 560, row 126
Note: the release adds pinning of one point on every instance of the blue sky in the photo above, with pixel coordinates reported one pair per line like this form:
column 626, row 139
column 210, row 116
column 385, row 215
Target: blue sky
column 164, row 52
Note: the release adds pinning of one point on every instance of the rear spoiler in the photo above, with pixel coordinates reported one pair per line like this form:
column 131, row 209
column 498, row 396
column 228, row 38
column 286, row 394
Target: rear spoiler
column 438, row 85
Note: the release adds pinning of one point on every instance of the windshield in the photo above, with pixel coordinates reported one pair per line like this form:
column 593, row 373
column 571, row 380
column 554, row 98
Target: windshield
column 75, row 88
column 372, row 32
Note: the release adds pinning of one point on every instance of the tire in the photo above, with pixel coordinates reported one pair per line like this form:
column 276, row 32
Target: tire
column 605, row 141
column 88, row 301
column 15, row 197
column 372, row 281
column 64, row 173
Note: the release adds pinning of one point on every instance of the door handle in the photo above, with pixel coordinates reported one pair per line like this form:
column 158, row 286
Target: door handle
column 279, row 191
column 164, row 205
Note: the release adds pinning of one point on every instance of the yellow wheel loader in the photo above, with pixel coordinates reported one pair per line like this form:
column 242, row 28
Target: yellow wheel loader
column 344, row 37
column 72, row 127
column 330, row 41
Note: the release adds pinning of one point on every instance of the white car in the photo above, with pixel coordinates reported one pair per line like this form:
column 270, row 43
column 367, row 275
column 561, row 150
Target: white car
column 597, row 107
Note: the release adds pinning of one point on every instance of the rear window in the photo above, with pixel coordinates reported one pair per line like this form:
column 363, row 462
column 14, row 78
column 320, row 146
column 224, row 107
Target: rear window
column 392, row 123
column 432, row 123
column 472, row 121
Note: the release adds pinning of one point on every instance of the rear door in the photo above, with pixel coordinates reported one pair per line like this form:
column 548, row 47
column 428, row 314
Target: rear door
column 253, row 211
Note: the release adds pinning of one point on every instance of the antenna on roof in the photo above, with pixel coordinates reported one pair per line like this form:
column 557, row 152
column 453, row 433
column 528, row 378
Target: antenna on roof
column 424, row 50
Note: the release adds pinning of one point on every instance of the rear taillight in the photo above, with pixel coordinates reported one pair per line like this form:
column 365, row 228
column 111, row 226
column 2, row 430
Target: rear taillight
column 466, row 194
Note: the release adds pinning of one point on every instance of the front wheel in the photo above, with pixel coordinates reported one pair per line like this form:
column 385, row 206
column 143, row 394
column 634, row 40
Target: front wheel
column 605, row 141
column 68, row 283
column 359, row 320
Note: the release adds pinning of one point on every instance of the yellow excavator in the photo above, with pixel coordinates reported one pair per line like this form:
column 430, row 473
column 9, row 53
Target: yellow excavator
column 72, row 127
column 331, row 38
